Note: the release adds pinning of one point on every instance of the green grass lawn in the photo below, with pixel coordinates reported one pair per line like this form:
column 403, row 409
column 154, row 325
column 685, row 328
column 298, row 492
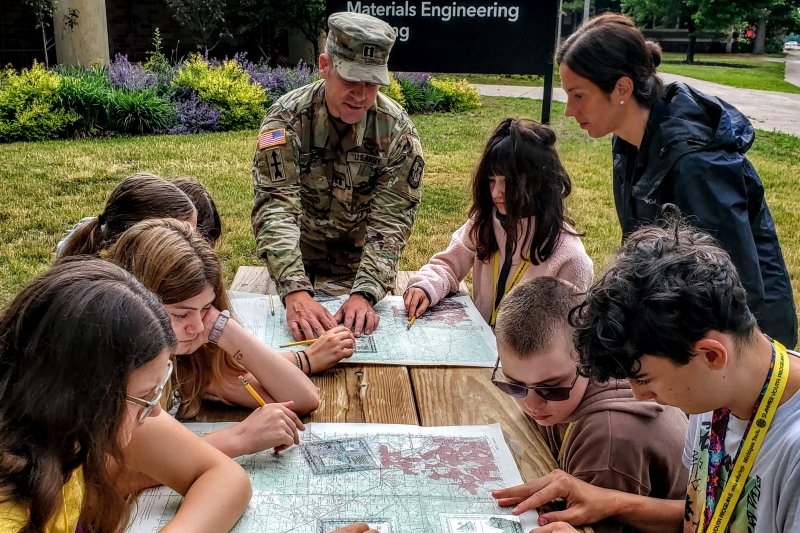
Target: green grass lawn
column 747, row 71
column 46, row 187
column 521, row 80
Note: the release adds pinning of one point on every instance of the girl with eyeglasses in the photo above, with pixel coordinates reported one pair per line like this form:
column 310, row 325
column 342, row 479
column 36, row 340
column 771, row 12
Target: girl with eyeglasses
column 213, row 349
column 517, row 227
column 84, row 355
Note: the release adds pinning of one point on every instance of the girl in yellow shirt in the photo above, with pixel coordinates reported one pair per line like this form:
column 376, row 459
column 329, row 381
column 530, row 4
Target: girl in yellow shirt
column 84, row 357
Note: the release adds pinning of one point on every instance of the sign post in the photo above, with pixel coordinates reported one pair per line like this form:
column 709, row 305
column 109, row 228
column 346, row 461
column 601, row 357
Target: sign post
column 469, row 36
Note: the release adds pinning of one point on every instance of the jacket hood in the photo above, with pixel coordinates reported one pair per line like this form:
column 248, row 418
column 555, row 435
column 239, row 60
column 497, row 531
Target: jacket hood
column 687, row 120
column 616, row 395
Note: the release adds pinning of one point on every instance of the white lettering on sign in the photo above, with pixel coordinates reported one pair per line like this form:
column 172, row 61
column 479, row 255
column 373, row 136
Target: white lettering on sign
column 449, row 12
column 444, row 12
column 404, row 9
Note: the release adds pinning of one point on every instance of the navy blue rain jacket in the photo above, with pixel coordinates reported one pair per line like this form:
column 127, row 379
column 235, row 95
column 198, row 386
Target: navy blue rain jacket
column 692, row 155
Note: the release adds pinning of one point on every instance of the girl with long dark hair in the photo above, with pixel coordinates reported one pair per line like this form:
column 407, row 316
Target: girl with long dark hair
column 517, row 227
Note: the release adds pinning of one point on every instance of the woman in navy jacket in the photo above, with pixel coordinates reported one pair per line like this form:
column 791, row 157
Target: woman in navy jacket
column 677, row 145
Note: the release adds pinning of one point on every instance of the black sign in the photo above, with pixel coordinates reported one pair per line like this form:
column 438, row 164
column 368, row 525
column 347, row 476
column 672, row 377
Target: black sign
column 490, row 36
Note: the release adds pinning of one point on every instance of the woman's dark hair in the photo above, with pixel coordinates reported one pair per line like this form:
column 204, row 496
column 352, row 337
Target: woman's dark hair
column 138, row 197
column 209, row 224
column 610, row 46
column 665, row 289
column 536, row 183
column 69, row 342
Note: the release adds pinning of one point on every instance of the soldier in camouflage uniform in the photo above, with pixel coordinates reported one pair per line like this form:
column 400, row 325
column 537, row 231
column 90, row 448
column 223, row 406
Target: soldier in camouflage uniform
column 337, row 178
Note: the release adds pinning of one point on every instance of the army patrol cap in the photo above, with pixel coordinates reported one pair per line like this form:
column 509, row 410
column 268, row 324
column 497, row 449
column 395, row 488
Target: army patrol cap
column 359, row 45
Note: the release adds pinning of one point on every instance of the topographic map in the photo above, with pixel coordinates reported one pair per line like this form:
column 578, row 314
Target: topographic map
column 399, row 479
column 450, row 333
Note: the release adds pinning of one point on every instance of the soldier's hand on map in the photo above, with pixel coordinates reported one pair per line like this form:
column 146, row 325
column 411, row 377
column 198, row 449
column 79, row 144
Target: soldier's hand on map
column 586, row 503
column 356, row 528
column 306, row 317
column 357, row 315
column 333, row 346
column 416, row 302
column 274, row 425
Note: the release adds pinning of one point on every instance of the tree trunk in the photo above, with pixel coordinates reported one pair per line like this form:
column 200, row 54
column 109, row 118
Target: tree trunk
column 729, row 41
column 761, row 33
column 692, row 41
column 44, row 44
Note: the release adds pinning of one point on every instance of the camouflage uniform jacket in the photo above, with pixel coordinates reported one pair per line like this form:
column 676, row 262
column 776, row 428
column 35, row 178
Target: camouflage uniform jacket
column 310, row 185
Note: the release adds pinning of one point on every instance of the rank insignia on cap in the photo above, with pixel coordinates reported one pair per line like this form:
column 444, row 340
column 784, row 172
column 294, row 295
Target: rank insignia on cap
column 270, row 138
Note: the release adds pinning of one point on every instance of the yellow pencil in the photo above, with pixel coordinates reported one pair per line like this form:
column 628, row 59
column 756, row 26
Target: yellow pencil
column 410, row 323
column 252, row 391
column 298, row 343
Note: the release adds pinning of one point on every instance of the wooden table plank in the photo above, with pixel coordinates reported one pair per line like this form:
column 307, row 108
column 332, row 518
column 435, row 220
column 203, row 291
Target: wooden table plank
column 253, row 279
column 377, row 394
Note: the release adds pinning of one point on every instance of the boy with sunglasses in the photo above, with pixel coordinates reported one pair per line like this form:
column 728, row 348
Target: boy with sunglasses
column 598, row 433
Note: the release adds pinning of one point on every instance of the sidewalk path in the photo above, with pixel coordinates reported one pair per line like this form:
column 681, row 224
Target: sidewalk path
column 792, row 63
column 766, row 109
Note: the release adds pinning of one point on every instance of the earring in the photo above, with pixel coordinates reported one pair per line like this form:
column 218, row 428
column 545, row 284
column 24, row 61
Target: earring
column 621, row 102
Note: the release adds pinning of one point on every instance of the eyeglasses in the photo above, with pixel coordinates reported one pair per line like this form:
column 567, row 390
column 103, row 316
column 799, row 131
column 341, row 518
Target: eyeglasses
column 148, row 405
column 517, row 390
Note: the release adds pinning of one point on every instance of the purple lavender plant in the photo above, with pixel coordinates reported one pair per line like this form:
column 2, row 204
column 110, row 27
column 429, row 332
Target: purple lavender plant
column 420, row 79
column 126, row 75
column 279, row 80
column 194, row 115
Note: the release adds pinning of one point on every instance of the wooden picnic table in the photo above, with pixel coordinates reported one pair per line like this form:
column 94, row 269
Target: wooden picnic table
column 397, row 394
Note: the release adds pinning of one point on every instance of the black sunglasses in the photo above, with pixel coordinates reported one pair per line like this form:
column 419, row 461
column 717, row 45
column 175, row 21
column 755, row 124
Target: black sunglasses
column 517, row 390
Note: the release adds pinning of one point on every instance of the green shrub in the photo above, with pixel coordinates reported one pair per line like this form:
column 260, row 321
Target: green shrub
column 87, row 93
column 458, row 95
column 228, row 86
column 142, row 111
column 394, row 91
column 27, row 106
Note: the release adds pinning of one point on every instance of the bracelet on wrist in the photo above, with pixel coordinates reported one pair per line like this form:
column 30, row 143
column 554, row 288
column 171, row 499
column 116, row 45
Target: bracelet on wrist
column 308, row 362
column 297, row 360
column 219, row 325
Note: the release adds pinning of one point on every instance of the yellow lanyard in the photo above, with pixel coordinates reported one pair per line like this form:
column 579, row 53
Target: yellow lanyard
column 521, row 268
column 564, row 439
column 750, row 447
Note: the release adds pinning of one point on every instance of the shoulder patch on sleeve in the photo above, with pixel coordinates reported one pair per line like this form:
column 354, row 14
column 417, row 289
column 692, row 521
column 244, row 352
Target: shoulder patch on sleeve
column 277, row 171
column 415, row 174
column 269, row 138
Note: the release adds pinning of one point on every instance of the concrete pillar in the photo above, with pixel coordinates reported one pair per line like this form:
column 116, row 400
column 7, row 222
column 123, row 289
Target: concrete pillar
column 87, row 42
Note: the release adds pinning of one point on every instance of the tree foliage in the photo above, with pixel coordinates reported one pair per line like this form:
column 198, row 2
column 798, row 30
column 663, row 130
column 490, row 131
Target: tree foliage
column 43, row 10
column 305, row 16
column 769, row 17
column 204, row 18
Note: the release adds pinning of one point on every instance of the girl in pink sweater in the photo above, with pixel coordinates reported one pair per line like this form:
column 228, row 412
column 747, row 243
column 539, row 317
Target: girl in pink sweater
column 517, row 228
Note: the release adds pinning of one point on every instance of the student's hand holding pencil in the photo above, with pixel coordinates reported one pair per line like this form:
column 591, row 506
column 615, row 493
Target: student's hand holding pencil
column 273, row 425
column 333, row 346
column 416, row 302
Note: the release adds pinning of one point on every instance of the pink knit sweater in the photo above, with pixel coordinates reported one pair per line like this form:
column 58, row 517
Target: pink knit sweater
column 445, row 271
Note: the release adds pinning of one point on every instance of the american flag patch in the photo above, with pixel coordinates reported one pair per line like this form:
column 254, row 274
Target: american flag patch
column 271, row 138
